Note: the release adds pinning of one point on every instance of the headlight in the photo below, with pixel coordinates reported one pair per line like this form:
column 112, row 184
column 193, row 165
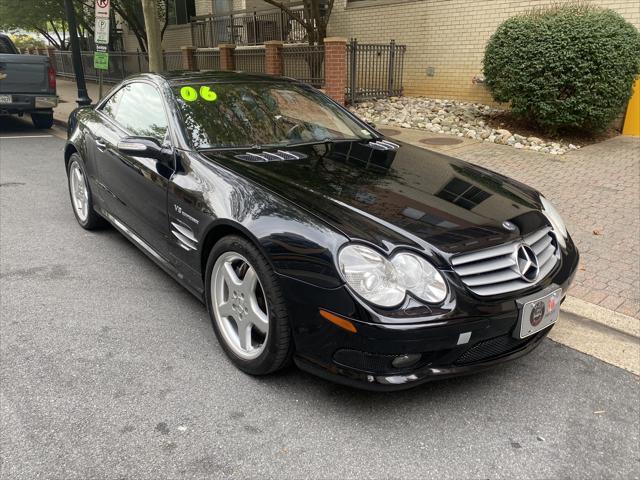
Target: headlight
column 386, row 282
column 556, row 221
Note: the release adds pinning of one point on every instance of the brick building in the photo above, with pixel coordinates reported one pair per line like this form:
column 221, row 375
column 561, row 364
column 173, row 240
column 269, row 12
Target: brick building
column 445, row 39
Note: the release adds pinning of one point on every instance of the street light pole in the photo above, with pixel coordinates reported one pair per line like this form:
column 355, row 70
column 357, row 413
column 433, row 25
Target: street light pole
column 83, row 97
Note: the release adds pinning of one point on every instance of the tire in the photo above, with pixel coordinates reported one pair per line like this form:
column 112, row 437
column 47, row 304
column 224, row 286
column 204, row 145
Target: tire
column 42, row 120
column 277, row 348
column 87, row 218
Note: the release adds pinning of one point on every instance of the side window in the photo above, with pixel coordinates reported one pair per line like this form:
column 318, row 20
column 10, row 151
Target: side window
column 140, row 111
column 111, row 106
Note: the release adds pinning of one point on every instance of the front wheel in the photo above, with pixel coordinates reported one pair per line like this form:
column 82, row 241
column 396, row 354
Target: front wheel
column 80, row 194
column 247, row 307
column 42, row 120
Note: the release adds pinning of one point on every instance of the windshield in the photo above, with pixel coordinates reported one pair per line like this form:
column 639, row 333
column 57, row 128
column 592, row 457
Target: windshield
column 261, row 114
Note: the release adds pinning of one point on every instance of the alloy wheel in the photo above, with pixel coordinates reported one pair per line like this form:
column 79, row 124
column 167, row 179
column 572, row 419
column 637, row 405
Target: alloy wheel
column 79, row 192
column 239, row 305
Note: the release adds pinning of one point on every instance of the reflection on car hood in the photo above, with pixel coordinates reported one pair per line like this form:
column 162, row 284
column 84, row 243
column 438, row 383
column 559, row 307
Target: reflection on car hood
column 406, row 195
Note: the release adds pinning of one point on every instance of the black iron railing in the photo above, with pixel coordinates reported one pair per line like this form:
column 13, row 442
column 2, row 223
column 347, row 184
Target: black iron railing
column 374, row 70
column 248, row 27
column 304, row 63
column 207, row 59
column 121, row 64
column 250, row 59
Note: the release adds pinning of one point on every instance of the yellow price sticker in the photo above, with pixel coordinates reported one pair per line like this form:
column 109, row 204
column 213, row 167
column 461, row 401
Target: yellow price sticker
column 207, row 94
column 189, row 94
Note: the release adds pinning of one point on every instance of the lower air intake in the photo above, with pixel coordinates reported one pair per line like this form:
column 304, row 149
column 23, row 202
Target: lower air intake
column 494, row 348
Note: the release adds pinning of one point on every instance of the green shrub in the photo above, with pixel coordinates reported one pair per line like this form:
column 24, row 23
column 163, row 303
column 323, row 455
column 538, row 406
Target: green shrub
column 564, row 67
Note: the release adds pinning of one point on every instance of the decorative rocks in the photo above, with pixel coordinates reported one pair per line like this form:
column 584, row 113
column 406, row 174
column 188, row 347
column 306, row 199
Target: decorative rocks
column 455, row 118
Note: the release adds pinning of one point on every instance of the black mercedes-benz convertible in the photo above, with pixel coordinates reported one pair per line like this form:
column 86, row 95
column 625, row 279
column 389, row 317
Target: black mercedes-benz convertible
column 311, row 237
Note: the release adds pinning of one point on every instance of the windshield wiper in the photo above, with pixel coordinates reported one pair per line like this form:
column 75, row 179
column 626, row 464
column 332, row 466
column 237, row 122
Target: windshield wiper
column 260, row 148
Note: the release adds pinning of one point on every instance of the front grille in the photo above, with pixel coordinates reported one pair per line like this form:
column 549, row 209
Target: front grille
column 492, row 348
column 494, row 271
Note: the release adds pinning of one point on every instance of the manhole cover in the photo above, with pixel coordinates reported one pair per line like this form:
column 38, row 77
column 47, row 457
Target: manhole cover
column 441, row 141
column 389, row 131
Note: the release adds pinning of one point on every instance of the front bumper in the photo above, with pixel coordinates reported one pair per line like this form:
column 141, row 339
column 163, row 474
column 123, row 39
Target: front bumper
column 418, row 375
column 475, row 335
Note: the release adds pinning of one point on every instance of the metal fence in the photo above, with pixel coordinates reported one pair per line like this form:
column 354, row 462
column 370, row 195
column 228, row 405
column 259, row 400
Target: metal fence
column 304, row 63
column 374, row 70
column 121, row 64
column 250, row 59
column 247, row 27
column 172, row 61
column 207, row 59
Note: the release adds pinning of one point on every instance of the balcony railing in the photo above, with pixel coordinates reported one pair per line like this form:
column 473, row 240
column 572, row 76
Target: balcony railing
column 248, row 27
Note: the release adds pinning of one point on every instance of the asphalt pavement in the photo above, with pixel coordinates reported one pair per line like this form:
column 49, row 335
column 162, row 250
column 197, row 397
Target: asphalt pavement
column 109, row 369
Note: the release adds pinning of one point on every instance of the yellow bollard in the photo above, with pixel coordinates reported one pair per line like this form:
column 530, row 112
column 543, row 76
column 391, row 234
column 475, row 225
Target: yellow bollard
column 632, row 118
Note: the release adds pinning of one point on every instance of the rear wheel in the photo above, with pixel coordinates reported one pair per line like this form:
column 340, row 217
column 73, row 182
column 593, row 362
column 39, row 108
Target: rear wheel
column 42, row 120
column 80, row 194
column 247, row 307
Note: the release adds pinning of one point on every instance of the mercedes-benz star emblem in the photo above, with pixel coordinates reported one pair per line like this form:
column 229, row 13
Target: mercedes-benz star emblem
column 509, row 225
column 526, row 263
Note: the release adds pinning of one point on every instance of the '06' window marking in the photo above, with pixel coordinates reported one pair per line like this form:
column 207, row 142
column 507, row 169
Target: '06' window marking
column 190, row 94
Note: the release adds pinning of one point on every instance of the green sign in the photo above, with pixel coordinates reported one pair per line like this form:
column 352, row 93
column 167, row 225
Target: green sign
column 101, row 61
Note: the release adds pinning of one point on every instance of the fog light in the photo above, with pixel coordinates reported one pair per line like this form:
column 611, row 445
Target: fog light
column 404, row 361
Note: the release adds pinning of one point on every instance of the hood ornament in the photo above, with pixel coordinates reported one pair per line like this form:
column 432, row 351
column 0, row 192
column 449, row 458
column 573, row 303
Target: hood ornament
column 526, row 263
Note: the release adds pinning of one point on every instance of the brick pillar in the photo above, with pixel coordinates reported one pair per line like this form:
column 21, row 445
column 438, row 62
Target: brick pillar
column 189, row 58
column 227, row 58
column 335, row 68
column 31, row 50
column 274, row 61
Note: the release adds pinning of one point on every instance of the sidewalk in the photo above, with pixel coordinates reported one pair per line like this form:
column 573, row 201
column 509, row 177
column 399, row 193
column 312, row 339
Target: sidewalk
column 68, row 94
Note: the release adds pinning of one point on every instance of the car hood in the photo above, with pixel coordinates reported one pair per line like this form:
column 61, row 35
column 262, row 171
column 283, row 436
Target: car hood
column 404, row 196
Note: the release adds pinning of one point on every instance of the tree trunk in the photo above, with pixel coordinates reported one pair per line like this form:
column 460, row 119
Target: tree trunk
column 154, row 42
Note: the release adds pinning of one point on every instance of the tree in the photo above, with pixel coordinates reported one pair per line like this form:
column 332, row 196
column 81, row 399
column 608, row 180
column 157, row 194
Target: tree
column 314, row 19
column 45, row 17
column 22, row 41
column 154, row 40
column 132, row 14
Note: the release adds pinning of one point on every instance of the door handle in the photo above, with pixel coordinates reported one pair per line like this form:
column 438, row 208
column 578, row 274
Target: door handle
column 100, row 144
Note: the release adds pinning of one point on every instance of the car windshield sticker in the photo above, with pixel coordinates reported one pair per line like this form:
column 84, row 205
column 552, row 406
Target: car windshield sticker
column 207, row 94
column 190, row 94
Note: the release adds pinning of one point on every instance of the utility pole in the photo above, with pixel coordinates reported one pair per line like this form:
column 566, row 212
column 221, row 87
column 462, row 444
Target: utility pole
column 154, row 42
column 83, row 97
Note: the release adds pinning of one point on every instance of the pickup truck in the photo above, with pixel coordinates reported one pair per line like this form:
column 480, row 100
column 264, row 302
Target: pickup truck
column 27, row 84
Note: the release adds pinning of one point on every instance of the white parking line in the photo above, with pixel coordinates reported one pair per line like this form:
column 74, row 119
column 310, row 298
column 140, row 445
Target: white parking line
column 27, row 136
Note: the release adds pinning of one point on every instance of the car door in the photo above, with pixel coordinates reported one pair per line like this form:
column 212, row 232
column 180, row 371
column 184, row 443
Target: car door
column 136, row 186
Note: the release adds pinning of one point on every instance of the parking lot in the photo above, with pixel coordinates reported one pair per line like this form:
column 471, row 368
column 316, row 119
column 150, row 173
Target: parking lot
column 110, row 369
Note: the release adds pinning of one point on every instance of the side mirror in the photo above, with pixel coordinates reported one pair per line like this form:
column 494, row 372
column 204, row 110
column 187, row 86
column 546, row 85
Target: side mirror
column 371, row 124
column 145, row 147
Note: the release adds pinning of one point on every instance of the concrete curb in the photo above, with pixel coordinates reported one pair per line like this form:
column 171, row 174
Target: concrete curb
column 604, row 316
column 60, row 123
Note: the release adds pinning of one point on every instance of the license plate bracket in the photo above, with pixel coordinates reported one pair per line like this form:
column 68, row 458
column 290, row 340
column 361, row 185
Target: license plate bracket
column 538, row 311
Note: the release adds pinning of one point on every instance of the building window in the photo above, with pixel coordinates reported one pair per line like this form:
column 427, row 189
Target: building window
column 463, row 194
column 180, row 11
